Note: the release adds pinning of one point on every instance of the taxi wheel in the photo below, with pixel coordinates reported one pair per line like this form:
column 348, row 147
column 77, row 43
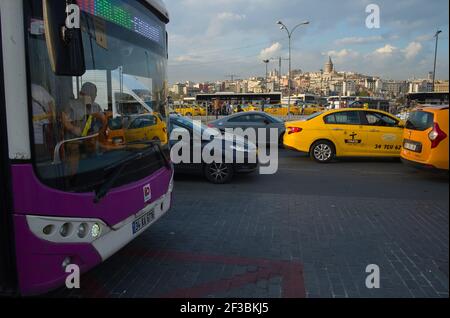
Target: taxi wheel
column 219, row 173
column 323, row 151
column 188, row 114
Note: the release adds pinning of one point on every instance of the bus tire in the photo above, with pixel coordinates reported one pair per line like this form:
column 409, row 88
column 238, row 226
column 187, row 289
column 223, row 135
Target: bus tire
column 323, row 151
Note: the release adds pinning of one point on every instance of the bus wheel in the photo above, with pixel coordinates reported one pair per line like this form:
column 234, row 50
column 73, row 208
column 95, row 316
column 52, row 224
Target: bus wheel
column 323, row 151
column 219, row 173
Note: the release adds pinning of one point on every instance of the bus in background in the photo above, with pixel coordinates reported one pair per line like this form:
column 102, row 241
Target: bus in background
column 302, row 99
column 338, row 102
column 415, row 99
column 68, row 196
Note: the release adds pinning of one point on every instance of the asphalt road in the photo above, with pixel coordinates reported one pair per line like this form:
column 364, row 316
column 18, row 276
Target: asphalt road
column 347, row 177
column 308, row 231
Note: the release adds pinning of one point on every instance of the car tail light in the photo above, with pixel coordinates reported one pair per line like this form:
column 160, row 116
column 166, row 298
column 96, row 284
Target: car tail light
column 210, row 125
column 436, row 136
column 294, row 130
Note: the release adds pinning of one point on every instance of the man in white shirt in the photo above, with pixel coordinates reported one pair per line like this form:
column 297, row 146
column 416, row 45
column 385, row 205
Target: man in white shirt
column 43, row 106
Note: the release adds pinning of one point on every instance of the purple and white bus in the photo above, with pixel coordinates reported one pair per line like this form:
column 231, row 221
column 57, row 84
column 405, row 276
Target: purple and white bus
column 76, row 187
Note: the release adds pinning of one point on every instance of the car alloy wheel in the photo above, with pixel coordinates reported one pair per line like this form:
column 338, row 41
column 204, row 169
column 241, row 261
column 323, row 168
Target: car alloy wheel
column 219, row 173
column 323, row 152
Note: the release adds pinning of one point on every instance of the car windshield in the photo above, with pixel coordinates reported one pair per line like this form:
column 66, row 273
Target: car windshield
column 80, row 123
column 196, row 126
column 310, row 117
column 275, row 119
column 420, row 120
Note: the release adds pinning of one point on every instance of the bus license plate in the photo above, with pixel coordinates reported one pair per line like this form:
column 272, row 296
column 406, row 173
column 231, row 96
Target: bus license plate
column 143, row 221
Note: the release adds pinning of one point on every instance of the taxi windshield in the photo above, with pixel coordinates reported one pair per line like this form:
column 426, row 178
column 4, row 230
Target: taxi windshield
column 80, row 123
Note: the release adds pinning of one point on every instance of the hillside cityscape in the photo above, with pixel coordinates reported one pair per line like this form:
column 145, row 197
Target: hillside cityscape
column 328, row 81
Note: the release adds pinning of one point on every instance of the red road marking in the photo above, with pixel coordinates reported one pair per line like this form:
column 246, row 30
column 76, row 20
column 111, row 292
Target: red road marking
column 291, row 272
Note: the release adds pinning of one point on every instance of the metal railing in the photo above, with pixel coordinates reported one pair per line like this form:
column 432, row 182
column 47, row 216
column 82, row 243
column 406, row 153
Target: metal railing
column 208, row 119
column 57, row 154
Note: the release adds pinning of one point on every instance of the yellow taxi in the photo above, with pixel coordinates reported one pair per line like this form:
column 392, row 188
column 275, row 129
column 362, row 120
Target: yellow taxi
column 112, row 134
column 201, row 111
column 346, row 133
column 147, row 128
column 425, row 141
column 251, row 108
column 310, row 109
column 282, row 110
column 188, row 110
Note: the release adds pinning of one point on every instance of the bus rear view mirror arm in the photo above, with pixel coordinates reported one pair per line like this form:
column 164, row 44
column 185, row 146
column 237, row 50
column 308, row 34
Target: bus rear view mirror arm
column 57, row 157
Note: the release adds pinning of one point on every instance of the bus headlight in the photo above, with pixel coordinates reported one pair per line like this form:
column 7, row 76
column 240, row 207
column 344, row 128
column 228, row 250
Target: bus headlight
column 67, row 230
column 83, row 230
column 96, row 230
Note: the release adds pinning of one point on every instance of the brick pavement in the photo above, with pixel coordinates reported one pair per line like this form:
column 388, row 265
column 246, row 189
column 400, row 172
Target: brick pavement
column 253, row 245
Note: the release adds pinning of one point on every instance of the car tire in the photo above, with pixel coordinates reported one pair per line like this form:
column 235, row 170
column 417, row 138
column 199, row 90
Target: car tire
column 323, row 151
column 188, row 114
column 281, row 141
column 219, row 173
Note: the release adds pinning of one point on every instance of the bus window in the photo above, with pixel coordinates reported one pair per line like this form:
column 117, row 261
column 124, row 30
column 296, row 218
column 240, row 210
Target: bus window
column 125, row 76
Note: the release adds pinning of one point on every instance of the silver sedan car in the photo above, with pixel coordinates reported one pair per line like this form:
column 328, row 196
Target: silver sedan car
column 255, row 120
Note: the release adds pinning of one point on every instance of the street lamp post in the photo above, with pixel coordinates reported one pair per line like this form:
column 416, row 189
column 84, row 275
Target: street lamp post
column 266, row 80
column 284, row 27
column 435, row 56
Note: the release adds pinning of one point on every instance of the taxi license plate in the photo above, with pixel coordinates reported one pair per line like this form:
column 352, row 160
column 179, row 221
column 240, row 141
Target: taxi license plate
column 143, row 221
column 412, row 147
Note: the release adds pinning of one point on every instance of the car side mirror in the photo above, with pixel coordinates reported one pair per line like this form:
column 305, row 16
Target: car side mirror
column 267, row 122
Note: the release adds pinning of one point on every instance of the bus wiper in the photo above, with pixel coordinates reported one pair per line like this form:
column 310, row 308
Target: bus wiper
column 121, row 165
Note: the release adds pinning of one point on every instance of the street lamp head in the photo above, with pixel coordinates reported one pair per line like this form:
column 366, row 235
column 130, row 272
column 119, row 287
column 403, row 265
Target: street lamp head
column 306, row 22
column 279, row 22
column 438, row 32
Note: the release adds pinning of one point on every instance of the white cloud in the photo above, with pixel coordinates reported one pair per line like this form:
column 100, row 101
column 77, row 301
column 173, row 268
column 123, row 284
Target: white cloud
column 230, row 16
column 387, row 49
column 271, row 51
column 359, row 40
column 222, row 22
column 185, row 58
column 343, row 54
column 412, row 50
column 424, row 38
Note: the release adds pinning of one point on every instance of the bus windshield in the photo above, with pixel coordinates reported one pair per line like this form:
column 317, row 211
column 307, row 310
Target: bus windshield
column 80, row 123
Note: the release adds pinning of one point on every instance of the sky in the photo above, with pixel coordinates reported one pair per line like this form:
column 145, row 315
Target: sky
column 209, row 40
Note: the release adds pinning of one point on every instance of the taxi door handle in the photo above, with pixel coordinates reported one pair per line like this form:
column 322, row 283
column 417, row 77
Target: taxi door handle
column 338, row 129
column 374, row 130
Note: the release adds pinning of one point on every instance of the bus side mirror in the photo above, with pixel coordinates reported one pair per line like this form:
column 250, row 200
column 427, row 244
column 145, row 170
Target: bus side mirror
column 64, row 44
